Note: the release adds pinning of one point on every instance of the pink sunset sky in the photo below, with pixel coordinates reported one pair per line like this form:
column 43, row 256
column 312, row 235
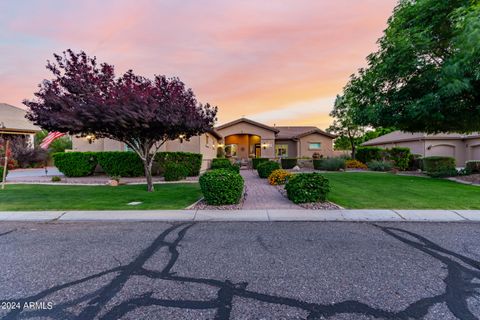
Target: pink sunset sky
column 279, row 62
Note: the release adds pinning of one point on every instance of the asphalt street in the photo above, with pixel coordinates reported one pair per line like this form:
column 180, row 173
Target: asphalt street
column 239, row 270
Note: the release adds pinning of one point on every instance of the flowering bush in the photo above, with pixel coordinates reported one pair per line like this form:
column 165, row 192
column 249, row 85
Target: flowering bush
column 355, row 164
column 279, row 176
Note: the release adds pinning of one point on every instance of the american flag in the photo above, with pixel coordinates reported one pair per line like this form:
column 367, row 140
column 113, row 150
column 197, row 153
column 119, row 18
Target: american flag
column 51, row 136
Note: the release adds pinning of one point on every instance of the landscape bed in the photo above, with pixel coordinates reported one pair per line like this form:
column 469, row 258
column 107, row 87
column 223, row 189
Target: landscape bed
column 47, row 197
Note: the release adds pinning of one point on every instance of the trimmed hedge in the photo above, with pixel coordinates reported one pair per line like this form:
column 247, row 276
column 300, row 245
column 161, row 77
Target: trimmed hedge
column 75, row 164
column 288, row 163
column 175, row 171
column 439, row 166
column 266, row 168
column 473, row 166
column 367, row 154
column 192, row 161
column 400, row 157
column 257, row 161
column 329, row 164
column 120, row 163
column 307, row 187
column 221, row 187
column 219, row 163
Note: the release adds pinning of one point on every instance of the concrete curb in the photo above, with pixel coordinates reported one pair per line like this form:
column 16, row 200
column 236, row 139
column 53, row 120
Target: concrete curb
column 265, row 215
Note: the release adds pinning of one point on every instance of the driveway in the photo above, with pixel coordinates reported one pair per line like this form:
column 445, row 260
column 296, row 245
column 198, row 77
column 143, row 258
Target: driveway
column 303, row 270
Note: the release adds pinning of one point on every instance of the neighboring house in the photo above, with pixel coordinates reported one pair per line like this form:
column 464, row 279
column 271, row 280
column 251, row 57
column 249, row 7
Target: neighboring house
column 14, row 123
column 462, row 147
column 241, row 139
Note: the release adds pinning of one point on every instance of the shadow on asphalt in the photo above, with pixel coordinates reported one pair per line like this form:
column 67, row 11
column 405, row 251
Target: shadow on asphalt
column 462, row 280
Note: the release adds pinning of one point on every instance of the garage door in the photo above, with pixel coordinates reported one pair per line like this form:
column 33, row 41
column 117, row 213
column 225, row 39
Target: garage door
column 443, row 150
column 475, row 155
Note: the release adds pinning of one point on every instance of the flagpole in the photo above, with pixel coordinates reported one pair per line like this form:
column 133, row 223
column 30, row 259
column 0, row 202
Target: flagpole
column 5, row 165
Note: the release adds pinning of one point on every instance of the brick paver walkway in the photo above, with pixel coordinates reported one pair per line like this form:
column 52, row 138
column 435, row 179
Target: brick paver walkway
column 261, row 195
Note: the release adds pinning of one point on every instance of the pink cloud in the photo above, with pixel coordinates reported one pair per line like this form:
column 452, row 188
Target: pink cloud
column 248, row 57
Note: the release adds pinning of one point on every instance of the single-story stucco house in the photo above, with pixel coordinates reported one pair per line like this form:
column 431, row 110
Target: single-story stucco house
column 241, row 139
column 462, row 147
column 13, row 122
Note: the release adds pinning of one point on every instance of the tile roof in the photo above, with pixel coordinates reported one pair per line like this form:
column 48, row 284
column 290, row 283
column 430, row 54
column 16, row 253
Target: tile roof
column 13, row 118
column 255, row 123
column 295, row 132
column 397, row 136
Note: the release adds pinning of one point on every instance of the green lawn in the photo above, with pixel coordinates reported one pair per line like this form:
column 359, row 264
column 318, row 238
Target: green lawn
column 48, row 197
column 362, row 190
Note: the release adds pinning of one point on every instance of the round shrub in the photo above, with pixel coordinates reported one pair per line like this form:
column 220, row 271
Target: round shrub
column 279, row 176
column 257, row 161
column 288, row 163
column 121, row 163
column 175, row 171
column 355, row 164
column 380, row 165
column 220, row 163
column 75, row 164
column 307, row 187
column 221, row 187
column 266, row 168
column 234, row 167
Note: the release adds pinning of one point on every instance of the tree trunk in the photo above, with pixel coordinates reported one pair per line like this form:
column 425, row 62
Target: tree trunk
column 147, row 164
column 352, row 144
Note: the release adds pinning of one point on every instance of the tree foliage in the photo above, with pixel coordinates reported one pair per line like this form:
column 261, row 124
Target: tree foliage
column 426, row 74
column 86, row 97
column 344, row 126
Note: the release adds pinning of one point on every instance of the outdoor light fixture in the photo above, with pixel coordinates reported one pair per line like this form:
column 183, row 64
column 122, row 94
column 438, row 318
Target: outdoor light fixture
column 181, row 137
column 90, row 138
column 264, row 145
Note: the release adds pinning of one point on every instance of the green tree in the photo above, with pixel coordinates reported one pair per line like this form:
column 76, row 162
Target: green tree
column 426, row 74
column 344, row 126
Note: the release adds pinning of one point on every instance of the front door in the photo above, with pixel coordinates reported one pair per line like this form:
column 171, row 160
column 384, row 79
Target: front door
column 258, row 151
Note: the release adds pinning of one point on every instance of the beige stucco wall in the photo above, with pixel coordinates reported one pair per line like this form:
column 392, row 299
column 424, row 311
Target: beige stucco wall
column 243, row 129
column 81, row 144
column 326, row 145
column 447, row 148
column 472, row 147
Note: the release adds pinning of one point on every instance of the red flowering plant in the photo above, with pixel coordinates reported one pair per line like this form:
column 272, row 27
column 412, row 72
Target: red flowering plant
column 12, row 164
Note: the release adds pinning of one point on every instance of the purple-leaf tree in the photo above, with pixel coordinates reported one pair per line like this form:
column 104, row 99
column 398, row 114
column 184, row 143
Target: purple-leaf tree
column 86, row 97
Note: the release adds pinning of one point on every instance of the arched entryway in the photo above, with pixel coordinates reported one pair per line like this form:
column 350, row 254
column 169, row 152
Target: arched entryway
column 243, row 146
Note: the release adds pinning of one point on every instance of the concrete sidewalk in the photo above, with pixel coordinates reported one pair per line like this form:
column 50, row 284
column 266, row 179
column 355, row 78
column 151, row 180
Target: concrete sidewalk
column 246, row 215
